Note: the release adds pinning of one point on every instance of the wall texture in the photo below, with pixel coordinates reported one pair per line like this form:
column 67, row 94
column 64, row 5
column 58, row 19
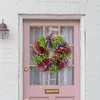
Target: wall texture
column 92, row 50
column 9, row 10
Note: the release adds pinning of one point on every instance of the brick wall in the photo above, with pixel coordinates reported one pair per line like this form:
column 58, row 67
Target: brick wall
column 93, row 48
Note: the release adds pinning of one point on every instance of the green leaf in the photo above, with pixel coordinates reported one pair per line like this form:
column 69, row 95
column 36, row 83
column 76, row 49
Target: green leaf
column 55, row 69
column 42, row 42
column 69, row 55
column 57, row 40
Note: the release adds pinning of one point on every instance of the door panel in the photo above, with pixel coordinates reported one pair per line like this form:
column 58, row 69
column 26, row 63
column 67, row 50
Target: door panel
column 39, row 99
column 67, row 80
column 65, row 99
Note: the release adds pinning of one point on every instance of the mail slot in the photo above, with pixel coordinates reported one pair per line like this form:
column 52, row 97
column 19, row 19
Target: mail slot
column 52, row 91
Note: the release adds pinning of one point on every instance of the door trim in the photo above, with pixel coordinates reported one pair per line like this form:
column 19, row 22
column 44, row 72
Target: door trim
column 82, row 47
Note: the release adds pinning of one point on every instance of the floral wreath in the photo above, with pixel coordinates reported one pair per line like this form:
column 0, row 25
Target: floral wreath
column 43, row 49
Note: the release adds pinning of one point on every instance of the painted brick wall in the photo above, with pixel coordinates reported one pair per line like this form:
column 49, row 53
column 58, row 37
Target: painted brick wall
column 9, row 10
column 93, row 48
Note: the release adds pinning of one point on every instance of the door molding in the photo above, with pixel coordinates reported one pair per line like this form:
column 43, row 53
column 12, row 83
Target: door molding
column 82, row 46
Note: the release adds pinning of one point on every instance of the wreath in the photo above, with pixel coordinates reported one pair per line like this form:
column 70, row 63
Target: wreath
column 51, row 53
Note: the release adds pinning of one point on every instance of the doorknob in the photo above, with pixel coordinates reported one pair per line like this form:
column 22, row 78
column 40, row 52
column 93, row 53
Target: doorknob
column 25, row 69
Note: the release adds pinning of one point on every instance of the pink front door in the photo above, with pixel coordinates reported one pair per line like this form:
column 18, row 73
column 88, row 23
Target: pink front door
column 66, row 81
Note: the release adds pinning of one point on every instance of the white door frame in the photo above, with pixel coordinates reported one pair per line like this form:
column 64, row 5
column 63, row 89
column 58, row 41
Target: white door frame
column 82, row 46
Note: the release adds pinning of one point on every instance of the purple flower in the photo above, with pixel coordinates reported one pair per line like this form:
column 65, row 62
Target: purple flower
column 66, row 61
column 49, row 41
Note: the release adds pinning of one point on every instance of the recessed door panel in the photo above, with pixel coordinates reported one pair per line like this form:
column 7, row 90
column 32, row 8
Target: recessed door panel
column 65, row 99
column 39, row 98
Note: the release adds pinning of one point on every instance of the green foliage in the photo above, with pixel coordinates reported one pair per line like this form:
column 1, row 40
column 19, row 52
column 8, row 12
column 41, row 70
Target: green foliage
column 42, row 42
column 62, row 56
column 55, row 69
column 40, row 59
column 69, row 55
column 57, row 40
column 55, row 63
